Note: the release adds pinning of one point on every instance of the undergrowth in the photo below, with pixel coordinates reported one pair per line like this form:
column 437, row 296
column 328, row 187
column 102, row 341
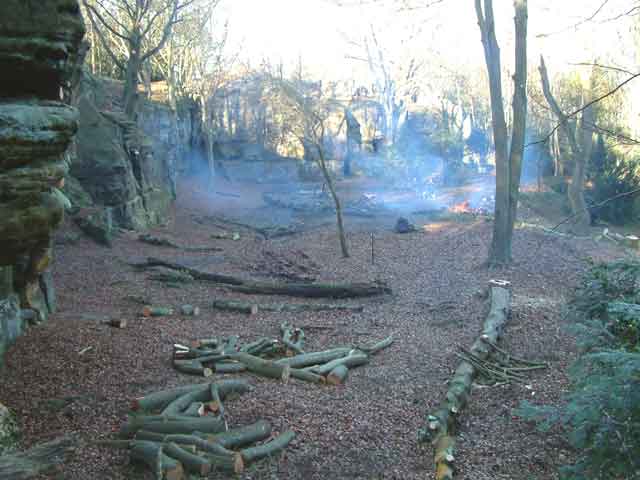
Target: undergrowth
column 601, row 414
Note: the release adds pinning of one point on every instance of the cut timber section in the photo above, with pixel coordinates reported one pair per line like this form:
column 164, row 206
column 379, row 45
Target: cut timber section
column 176, row 445
column 440, row 423
column 305, row 290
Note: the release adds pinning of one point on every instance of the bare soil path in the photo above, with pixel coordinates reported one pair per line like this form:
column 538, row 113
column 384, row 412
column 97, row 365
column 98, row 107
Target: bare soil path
column 365, row 429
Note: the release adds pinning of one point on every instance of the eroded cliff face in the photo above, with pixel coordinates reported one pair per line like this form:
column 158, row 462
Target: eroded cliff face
column 123, row 172
column 40, row 42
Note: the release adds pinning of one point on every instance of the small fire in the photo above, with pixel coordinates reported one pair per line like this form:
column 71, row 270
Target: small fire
column 462, row 207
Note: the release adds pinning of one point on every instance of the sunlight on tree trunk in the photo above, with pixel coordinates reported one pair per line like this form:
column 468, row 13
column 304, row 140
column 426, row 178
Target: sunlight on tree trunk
column 579, row 152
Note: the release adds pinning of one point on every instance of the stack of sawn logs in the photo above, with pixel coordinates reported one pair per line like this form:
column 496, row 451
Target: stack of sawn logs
column 183, row 431
column 274, row 358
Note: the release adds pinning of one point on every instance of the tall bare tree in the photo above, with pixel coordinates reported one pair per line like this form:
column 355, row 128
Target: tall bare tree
column 141, row 28
column 580, row 150
column 308, row 119
column 508, row 160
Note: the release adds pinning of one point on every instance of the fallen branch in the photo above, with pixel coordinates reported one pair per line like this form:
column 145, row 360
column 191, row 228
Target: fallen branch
column 313, row 290
column 253, row 308
column 440, row 422
column 308, row 290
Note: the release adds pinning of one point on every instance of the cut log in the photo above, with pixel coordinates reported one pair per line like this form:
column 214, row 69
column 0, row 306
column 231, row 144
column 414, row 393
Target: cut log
column 252, row 308
column 158, row 400
column 180, row 404
column 354, row 359
column 150, row 454
column 149, row 311
column 190, row 310
column 192, row 367
column 228, row 367
column 313, row 290
column 191, row 462
column 241, row 436
column 338, row 375
column 38, row 460
column 205, row 343
column 189, row 441
column 314, row 358
column 171, row 425
column 196, row 409
column 268, row 368
column 440, row 423
column 268, row 449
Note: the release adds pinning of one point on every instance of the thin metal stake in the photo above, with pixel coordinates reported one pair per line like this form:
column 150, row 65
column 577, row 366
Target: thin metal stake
column 372, row 253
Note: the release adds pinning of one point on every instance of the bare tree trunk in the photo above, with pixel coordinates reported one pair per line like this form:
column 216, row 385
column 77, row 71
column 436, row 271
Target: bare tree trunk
column 576, row 189
column 507, row 169
column 336, row 200
column 555, row 152
column 134, row 64
column 208, row 134
column 519, row 114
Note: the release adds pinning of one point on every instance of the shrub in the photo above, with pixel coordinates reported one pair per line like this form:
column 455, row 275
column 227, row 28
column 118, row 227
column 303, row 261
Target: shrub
column 601, row 414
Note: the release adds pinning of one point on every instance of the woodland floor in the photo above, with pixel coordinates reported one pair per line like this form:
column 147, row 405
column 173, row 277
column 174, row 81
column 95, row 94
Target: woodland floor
column 364, row 429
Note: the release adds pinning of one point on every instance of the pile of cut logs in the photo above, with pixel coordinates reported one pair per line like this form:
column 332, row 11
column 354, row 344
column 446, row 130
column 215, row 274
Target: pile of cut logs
column 281, row 358
column 182, row 432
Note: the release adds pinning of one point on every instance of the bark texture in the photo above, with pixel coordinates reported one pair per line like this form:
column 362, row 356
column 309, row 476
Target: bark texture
column 508, row 163
column 440, row 423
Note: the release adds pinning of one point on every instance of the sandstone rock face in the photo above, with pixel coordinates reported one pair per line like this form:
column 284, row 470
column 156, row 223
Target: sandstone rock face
column 39, row 50
column 122, row 169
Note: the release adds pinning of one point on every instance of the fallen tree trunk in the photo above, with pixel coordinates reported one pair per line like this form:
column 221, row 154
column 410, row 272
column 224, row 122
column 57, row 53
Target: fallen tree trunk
column 441, row 422
column 195, row 273
column 253, row 308
column 37, row 460
column 313, row 290
column 307, row 290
